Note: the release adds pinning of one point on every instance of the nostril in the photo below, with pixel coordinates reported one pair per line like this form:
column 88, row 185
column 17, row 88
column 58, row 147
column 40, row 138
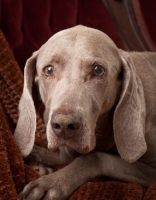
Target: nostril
column 56, row 126
column 73, row 127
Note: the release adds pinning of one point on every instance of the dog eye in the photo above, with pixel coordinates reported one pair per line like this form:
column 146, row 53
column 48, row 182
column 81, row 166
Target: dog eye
column 98, row 70
column 48, row 70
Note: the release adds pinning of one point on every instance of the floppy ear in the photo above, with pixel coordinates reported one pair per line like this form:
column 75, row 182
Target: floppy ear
column 129, row 115
column 26, row 125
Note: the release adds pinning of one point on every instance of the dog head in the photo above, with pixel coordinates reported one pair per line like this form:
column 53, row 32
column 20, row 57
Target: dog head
column 78, row 73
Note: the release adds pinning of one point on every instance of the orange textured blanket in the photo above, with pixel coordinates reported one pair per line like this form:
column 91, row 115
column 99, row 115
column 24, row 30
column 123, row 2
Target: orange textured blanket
column 14, row 174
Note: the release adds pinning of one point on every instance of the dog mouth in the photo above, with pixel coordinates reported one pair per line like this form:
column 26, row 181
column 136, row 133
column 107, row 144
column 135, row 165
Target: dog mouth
column 71, row 143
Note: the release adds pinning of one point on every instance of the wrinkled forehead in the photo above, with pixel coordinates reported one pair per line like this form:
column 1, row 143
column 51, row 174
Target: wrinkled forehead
column 81, row 43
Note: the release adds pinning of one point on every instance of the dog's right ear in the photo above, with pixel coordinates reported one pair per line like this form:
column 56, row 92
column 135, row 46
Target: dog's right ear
column 26, row 126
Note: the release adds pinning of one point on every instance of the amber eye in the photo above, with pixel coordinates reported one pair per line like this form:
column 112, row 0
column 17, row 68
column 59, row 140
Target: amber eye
column 48, row 70
column 98, row 70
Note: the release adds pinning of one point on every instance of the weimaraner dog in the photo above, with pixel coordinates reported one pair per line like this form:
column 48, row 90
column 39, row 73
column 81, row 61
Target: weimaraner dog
column 100, row 103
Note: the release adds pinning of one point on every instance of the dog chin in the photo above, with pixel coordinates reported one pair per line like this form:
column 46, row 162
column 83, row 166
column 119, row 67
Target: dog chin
column 55, row 147
column 80, row 149
column 84, row 150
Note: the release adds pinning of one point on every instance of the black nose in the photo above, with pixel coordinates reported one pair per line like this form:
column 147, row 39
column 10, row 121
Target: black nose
column 65, row 125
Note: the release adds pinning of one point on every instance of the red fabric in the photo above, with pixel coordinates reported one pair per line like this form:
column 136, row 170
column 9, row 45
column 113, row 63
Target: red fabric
column 63, row 14
column 28, row 24
column 148, row 8
column 144, row 17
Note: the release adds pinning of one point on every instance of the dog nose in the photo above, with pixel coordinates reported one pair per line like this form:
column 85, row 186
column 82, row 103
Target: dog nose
column 65, row 125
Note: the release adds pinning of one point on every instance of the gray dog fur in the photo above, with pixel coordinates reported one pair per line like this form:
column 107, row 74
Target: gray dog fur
column 115, row 111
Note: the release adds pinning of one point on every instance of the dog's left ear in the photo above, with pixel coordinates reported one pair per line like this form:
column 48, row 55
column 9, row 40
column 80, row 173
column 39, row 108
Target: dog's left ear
column 129, row 115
